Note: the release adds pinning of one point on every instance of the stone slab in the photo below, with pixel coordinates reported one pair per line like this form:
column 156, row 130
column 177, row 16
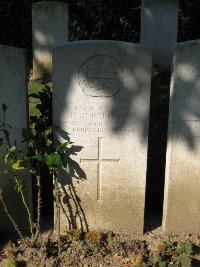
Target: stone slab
column 182, row 183
column 101, row 94
column 49, row 28
column 159, row 27
column 13, row 92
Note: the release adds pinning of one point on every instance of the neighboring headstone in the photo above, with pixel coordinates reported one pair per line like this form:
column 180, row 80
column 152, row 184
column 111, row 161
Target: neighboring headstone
column 101, row 94
column 182, row 181
column 13, row 93
column 159, row 26
column 49, row 28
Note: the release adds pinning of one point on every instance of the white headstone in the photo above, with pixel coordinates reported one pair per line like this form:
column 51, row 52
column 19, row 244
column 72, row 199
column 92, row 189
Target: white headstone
column 182, row 181
column 101, row 92
column 13, row 93
column 49, row 28
column 159, row 26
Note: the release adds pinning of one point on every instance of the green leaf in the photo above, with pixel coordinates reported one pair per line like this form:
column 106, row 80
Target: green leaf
column 9, row 263
column 49, row 130
column 39, row 157
column 67, row 167
column 13, row 149
column 31, row 143
column 18, row 165
column 184, row 247
column 158, row 258
column 168, row 243
column 6, row 158
column 184, row 261
column 163, row 264
column 48, row 142
column 64, row 147
column 53, row 159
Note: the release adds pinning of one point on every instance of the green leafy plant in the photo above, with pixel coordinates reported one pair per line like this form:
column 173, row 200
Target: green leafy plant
column 184, row 261
column 9, row 263
column 184, row 247
column 40, row 153
column 168, row 243
column 43, row 153
column 175, row 255
column 11, row 156
column 167, row 254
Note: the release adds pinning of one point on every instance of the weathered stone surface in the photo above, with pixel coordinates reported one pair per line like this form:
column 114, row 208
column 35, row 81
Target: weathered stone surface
column 49, row 28
column 101, row 93
column 159, row 26
column 13, row 92
column 182, row 185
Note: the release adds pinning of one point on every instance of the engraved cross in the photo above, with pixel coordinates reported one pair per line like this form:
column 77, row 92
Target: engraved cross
column 99, row 161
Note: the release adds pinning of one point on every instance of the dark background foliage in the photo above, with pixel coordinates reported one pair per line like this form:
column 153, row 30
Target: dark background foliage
column 93, row 19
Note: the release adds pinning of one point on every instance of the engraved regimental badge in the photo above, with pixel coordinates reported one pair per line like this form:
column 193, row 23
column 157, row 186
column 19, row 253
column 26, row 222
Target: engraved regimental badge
column 101, row 76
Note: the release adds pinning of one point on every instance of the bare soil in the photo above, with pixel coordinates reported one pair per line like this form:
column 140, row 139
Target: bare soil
column 92, row 249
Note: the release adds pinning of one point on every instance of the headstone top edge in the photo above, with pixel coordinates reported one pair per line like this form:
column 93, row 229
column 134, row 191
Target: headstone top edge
column 187, row 43
column 101, row 42
column 49, row 3
column 164, row 2
column 12, row 48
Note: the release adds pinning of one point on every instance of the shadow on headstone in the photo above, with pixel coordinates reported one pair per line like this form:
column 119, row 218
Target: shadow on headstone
column 49, row 28
column 182, row 183
column 101, row 92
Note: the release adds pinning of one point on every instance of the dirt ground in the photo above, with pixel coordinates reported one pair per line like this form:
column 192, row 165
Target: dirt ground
column 96, row 249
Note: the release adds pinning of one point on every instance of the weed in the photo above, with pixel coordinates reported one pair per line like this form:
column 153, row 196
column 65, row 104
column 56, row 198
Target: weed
column 41, row 153
column 9, row 263
column 94, row 237
column 184, row 247
column 168, row 254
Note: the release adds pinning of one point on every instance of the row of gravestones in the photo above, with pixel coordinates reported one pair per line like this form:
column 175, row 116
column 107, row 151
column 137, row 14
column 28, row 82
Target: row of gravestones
column 159, row 23
column 101, row 95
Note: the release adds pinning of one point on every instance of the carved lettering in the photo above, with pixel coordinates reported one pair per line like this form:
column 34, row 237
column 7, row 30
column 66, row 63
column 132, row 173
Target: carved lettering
column 95, row 119
column 101, row 76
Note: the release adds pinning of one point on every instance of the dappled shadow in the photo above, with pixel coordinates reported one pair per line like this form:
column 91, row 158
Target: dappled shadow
column 105, row 86
column 41, row 72
column 101, row 98
column 185, row 99
column 120, row 78
column 72, row 208
column 49, row 27
column 73, row 216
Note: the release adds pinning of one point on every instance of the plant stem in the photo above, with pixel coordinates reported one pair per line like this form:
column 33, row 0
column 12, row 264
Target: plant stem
column 57, row 197
column 11, row 219
column 39, row 200
column 25, row 205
